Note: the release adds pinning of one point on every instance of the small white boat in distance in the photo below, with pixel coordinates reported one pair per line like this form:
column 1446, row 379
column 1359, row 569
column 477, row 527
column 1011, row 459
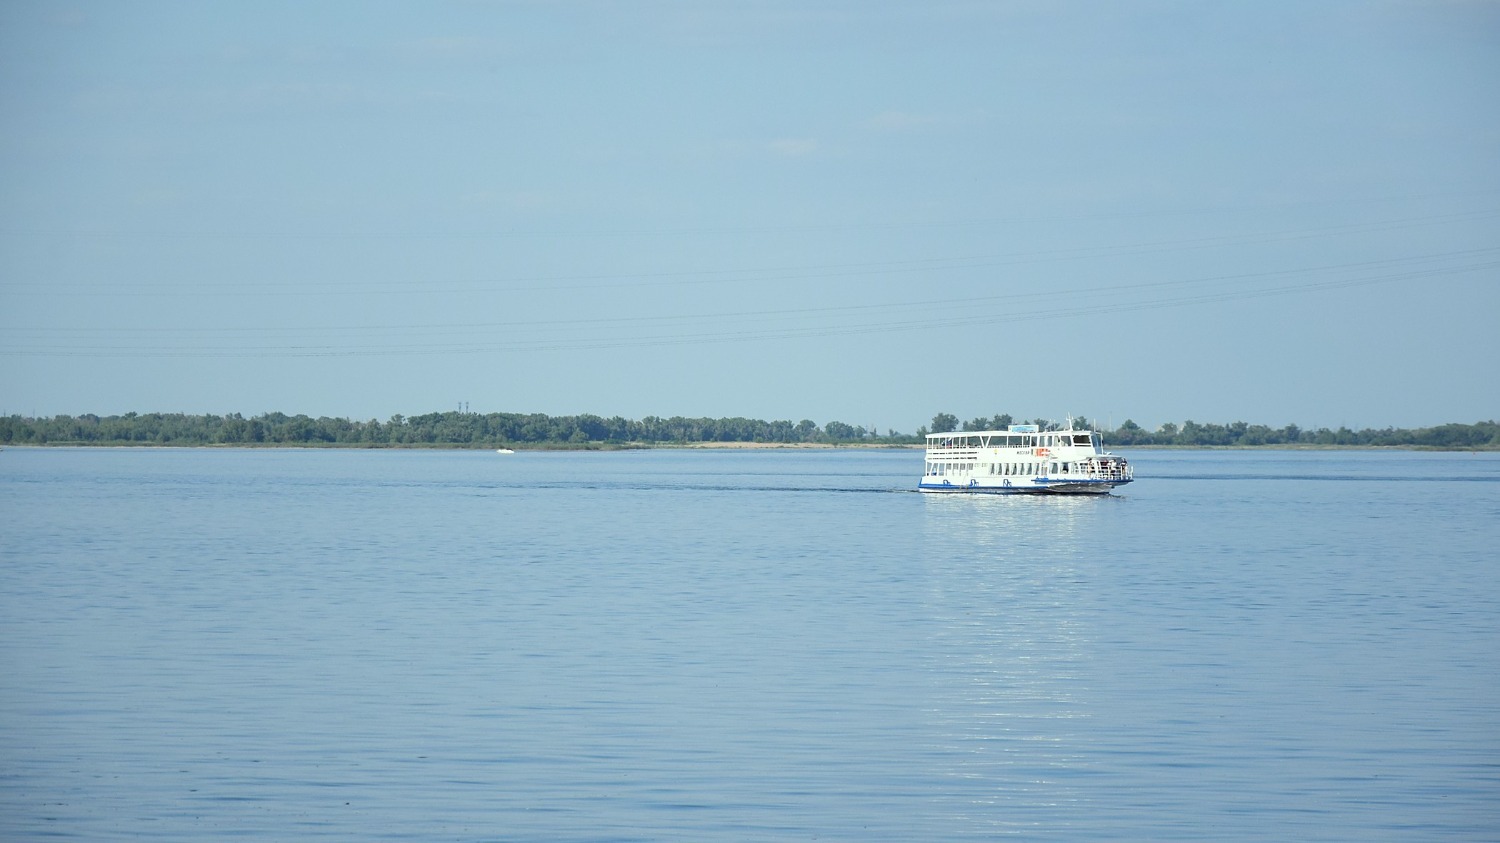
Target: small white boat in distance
column 504, row 451
column 1022, row 460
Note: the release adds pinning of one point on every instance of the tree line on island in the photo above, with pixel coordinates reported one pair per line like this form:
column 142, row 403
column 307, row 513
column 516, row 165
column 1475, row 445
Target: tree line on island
column 538, row 430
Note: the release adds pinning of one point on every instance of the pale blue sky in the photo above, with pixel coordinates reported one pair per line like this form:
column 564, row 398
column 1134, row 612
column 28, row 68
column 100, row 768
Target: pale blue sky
column 867, row 212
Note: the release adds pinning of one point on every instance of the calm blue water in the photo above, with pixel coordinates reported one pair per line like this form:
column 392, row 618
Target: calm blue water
column 206, row 644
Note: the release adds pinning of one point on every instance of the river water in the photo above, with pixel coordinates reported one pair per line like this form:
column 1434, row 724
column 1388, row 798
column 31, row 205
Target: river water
column 732, row 646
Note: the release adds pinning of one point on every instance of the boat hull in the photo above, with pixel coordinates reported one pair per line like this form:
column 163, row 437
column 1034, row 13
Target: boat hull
column 1065, row 487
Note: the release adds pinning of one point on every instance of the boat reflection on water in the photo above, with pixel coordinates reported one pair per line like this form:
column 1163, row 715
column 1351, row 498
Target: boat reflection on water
column 1010, row 608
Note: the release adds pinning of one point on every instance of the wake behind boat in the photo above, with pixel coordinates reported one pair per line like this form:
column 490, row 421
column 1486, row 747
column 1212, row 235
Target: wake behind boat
column 1022, row 459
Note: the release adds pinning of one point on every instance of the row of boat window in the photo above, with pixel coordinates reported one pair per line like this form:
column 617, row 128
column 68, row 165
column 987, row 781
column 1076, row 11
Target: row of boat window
column 1002, row 469
column 1014, row 440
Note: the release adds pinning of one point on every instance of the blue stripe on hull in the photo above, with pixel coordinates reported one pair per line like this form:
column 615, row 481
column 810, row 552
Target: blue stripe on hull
column 965, row 490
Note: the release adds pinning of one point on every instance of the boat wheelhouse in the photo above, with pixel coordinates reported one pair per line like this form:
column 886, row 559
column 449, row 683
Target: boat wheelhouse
column 1022, row 459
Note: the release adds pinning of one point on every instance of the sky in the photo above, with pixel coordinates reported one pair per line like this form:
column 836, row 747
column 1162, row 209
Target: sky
column 867, row 212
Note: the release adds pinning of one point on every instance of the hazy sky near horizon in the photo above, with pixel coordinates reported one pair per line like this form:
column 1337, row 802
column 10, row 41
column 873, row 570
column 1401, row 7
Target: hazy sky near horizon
column 867, row 212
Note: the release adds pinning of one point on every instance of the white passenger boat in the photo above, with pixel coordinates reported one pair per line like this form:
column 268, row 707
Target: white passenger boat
column 1022, row 459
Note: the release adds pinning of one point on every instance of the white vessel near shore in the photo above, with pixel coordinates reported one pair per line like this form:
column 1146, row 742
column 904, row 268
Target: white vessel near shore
column 1022, row 459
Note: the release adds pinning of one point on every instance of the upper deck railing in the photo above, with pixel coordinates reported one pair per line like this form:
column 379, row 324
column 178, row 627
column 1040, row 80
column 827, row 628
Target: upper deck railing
column 973, row 440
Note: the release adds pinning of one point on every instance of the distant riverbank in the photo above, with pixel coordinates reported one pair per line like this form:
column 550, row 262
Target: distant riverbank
column 697, row 446
column 588, row 432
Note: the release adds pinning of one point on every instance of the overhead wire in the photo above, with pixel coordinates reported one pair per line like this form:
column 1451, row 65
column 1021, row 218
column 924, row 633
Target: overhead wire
column 700, row 277
column 927, row 303
column 777, row 333
column 532, row 233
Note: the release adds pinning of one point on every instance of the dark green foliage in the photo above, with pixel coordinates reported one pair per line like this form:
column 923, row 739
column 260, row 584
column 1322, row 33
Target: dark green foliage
column 1484, row 434
column 475, row 430
column 451, row 429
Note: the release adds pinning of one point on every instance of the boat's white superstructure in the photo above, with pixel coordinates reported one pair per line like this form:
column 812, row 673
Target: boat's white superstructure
column 1021, row 459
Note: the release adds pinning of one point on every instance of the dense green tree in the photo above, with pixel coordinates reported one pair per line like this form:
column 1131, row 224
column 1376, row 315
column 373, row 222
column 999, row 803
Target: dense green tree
column 839, row 432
